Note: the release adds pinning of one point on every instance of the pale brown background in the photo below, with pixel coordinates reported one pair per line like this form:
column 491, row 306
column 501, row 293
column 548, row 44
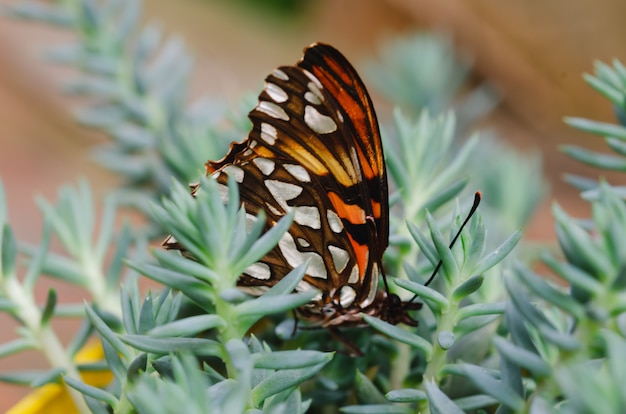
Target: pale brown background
column 534, row 52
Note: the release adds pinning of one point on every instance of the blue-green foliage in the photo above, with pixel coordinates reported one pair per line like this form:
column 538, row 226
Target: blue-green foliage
column 493, row 335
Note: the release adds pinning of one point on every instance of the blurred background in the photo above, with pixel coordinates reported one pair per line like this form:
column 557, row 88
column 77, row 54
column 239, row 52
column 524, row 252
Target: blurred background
column 530, row 54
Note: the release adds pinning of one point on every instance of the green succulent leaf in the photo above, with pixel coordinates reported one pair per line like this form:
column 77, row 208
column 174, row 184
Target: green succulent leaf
column 523, row 358
column 439, row 403
column 400, row 334
column 162, row 346
column 187, row 326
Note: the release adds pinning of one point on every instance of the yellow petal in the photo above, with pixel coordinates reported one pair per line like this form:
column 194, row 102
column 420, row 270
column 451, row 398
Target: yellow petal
column 54, row 398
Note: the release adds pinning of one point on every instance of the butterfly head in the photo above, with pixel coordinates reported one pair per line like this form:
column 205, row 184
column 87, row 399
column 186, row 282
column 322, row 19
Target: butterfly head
column 394, row 311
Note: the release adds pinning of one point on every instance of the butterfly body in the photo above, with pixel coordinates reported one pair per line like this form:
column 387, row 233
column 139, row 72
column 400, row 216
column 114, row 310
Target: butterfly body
column 315, row 149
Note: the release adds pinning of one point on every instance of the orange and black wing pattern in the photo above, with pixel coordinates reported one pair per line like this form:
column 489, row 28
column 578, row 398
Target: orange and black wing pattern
column 315, row 149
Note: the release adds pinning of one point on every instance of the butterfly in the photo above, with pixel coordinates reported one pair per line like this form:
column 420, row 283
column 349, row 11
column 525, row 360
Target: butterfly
column 315, row 148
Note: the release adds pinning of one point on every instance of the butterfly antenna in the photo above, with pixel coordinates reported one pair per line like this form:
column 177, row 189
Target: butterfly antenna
column 477, row 198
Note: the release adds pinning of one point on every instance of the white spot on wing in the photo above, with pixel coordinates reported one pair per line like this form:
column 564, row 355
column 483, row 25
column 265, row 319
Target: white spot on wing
column 280, row 74
column 313, row 78
column 276, row 92
column 295, row 257
column 354, row 275
column 340, row 257
column 373, row 287
column 339, row 116
column 265, row 165
column 319, row 123
column 303, row 243
column 283, row 192
column 223, row 192
column 312, row 98
column 268, row 133
column 259, row 271
column 314, row 93
column 273, row 110
column 347, row 296
column 235, row 172
column 254, row 290
column 298, row 172
column 334, row 221
column 308, row 216
column 273, row 210
column 250, row 220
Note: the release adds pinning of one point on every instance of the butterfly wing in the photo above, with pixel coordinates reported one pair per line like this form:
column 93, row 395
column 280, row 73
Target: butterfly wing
column 343, row 83
column 315, row 148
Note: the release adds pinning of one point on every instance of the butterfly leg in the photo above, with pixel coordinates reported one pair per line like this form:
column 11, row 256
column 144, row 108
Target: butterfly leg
column 351, row 347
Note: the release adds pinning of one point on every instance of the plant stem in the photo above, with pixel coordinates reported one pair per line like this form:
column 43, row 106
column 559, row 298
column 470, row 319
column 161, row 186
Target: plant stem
column 46, row 340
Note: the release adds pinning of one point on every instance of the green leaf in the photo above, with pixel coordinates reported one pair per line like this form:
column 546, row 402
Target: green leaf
column 129, row 319
column 183, row 265
column 445, row 339
column 64, row 269
column 595, row 159
column 52, row 376
column 439, row 403
column 475, row 402
column 400, row 334
column 146, row 315
column 480, row 309
column 6, row 305
column 107, row 334
column 288, row 283
column 189, row 326
column 424, row 244
column 429, row 295
column 81, row 337
column 490, row 386
column 251, row 311
column 473, row 323
column 538, row 320
column 114, row 362
column 38, row 258
column 135, row 368
column 574, row 275
column 450, row 266
column 48, row 309
column 468, row 287
column 15, row 346
column 406, row 395
column 598, row 128
column 375, row 409
column 498, row 254
column 93, row 392
column 266, row 242
column 290, row 359
column 543, row 290
column 605, row 89
column 22, row 377
column 517, row 328
column 366, row 391
column 281, row 381
column 523, row 358
column 197, row 346
column 578, row 245
column 9, row 252
column 194, row 289
column 445, row 195
column 116, row 264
